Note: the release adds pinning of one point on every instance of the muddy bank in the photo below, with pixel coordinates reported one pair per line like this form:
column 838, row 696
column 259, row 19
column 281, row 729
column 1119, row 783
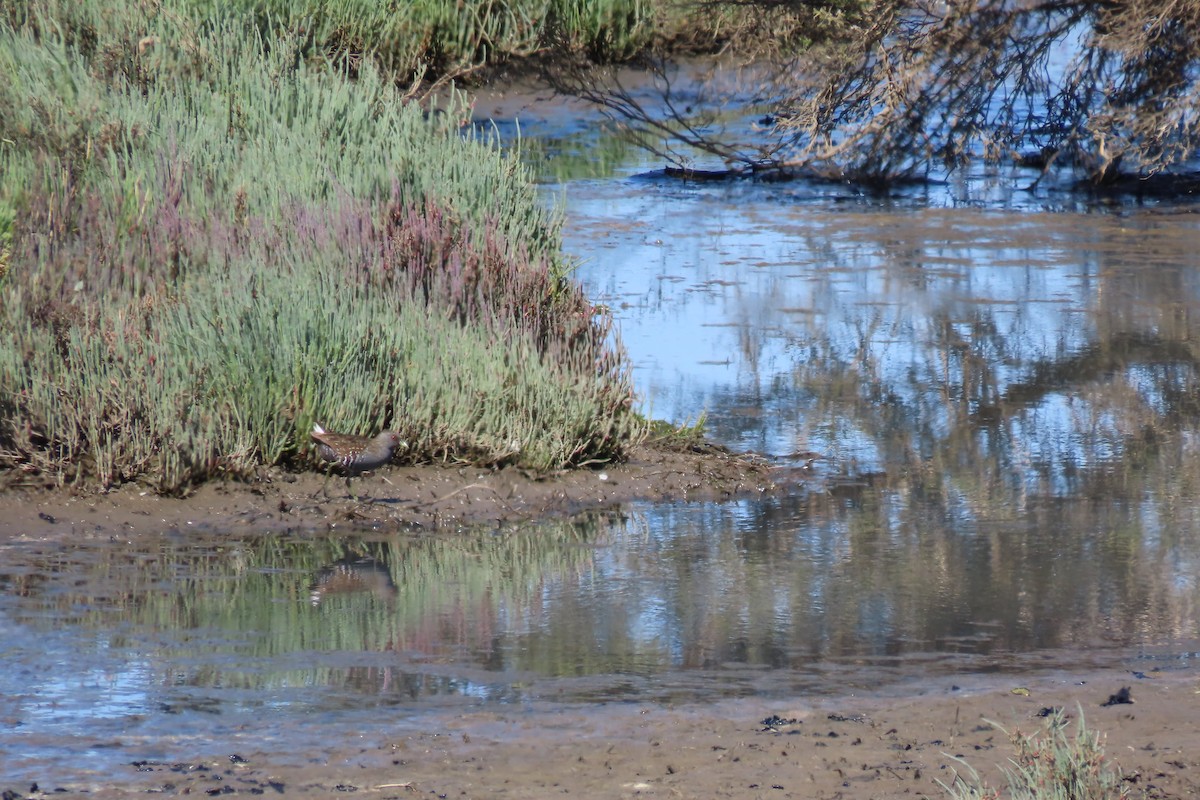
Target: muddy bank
column 837, row 747
column 423, row 496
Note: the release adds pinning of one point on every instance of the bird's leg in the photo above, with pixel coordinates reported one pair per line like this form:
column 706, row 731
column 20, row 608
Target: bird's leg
column 358, row 498
column 325, row 486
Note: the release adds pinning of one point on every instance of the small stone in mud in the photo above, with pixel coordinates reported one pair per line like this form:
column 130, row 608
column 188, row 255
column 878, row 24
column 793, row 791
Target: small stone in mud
column 1048, row 711
column 775, row 722
column 186, row 768
column 42, row 515
column 236, row 759
column 1119, row 698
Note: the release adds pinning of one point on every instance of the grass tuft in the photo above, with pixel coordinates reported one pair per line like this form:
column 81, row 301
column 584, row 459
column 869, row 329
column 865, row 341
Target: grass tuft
column 1052, row 765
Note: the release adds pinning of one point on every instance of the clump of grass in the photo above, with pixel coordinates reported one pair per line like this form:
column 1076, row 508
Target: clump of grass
column 680, row 437
column 216, row 243
column 1050, row 766
column 451, row 38
column 434, row 40
column 418, row 44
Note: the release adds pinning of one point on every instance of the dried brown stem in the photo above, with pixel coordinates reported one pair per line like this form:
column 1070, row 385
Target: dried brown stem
column 1107, row 88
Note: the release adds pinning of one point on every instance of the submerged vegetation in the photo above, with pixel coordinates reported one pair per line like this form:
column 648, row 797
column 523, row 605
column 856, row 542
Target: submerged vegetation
column 208, row 243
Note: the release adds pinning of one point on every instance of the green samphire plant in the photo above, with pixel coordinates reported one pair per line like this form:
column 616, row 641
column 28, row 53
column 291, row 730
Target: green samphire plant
column 215, row 243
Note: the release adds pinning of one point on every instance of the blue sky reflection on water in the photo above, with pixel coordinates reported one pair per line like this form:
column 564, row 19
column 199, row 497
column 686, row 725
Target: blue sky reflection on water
column 724, row 294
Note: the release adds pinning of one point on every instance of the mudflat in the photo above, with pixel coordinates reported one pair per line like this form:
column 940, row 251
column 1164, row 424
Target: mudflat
column 902, row 745
column 427, row 496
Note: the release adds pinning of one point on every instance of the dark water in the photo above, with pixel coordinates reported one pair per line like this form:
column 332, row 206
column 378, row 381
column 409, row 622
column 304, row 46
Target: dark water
column 1004, row 396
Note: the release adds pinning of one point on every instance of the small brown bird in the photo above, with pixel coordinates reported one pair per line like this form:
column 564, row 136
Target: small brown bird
column 355, row 454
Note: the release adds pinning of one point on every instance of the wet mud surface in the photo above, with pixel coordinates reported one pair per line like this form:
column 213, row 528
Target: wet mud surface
column 899, row 745
column 430, row 497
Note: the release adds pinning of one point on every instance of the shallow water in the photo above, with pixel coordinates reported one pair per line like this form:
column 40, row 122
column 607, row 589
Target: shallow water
column 1002, row 393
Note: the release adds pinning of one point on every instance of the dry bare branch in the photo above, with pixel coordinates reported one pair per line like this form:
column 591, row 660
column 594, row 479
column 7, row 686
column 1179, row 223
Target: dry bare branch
column 1109, row 88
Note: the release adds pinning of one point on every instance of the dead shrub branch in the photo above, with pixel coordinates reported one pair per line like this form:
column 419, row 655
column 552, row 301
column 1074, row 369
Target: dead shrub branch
column 1108, row 89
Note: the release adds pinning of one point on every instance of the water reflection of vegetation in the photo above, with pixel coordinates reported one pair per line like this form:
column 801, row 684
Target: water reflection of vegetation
column 228, row 607
column 874, row 572
column 886, row 571
column 587, row 156
column 999, row 394
column 994, row 365
column 1027, row 403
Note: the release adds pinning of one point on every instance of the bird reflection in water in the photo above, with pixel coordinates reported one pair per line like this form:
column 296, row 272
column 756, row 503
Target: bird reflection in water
column 351, row 575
